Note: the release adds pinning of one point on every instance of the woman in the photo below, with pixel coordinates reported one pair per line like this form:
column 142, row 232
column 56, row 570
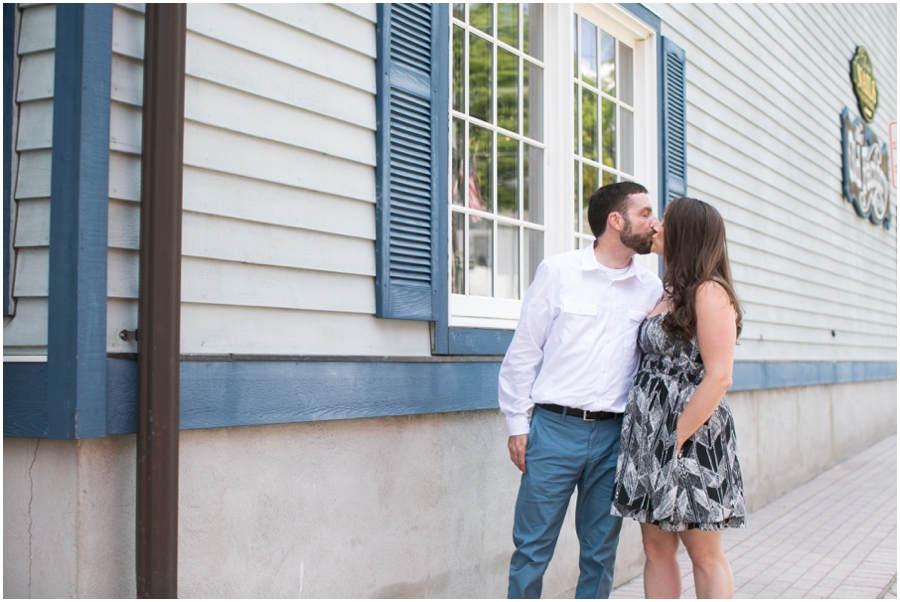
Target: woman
column 678, row 472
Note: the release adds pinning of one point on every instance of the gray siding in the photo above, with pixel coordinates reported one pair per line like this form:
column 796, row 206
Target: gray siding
column 279, row 183
column 26, row 331
column 766, row 86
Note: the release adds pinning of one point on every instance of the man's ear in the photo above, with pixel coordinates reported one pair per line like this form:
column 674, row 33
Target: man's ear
column 615, row 221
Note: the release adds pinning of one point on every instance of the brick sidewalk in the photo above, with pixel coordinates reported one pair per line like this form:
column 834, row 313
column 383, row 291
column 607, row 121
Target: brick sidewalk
column 834, row 537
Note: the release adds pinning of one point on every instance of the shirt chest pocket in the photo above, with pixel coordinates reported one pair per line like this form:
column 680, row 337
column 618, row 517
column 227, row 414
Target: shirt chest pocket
column 578, row 318
column 632, row 326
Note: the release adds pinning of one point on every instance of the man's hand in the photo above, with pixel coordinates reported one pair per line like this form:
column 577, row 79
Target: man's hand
column 517, row 445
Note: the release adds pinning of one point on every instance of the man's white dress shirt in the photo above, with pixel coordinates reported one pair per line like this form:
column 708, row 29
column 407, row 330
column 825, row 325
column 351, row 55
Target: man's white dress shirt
column 576, row 342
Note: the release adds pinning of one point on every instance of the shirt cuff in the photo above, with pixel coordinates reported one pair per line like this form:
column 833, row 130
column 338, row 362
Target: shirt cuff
column 517, row 425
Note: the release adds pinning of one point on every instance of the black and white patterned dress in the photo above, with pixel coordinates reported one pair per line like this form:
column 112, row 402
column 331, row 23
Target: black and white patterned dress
column 702, row 488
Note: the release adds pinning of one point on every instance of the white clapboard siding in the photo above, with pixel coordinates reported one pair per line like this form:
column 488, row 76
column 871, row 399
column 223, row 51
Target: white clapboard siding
column 240, row 112
column 32, row 223
column 221, row 329
column 750, row 214
column 765, row 88
column 324, row 21
column 230, row 239
column 755, row 96
column 33, row 179
column 26, row 333
column 124, row 220
column 267, row 203
column 365, row 10
column 35, row 76
column 279, row 183
column 122, row 276
column 237, row 68
column 128, row 32
column 32, row 275
column 121, row 314
column 126, row 80
column 37, row 29
column 765, row 298
column 220, row 150
column 258, row 34
column 808, row 283
column 35, row 125
column 765, row 314
column 125, row 135
column 786, row 258
column 239, row 284
column 801, row 208
column 125, row 128
column 124, row 176
column 760, row 350
column 821, row 337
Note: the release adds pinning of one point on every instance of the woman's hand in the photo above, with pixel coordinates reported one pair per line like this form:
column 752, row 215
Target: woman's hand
column 680, row 438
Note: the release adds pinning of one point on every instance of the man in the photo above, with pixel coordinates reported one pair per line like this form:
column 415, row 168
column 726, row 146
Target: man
column 572, row 359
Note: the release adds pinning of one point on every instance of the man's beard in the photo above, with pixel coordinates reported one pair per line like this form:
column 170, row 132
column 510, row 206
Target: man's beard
column 639, row 243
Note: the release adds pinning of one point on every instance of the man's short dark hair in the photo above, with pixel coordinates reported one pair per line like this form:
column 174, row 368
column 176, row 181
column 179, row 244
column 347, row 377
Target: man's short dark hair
column 612, row 198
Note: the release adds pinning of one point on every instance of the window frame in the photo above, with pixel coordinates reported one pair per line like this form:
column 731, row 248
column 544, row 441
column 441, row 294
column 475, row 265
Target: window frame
column 467, row 309
column 502, row 314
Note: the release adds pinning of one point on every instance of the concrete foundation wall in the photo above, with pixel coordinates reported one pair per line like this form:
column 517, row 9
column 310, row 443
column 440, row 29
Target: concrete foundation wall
column 416, row 506
column 788, row 436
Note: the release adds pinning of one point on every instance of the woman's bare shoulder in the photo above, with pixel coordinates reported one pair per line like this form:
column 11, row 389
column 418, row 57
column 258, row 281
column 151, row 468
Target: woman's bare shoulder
column 712, row 294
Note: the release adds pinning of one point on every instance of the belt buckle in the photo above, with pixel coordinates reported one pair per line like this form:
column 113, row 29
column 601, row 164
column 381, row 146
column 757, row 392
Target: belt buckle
column 585, row 417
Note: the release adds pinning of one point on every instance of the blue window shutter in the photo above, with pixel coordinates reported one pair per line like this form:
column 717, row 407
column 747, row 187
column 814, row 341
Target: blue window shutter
column 411, row 173
column 673, row 122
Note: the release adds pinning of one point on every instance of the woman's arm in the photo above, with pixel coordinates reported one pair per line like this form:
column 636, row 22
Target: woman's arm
column 716, row 336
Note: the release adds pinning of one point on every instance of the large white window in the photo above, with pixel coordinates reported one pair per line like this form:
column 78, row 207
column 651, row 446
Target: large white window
column 520, row 72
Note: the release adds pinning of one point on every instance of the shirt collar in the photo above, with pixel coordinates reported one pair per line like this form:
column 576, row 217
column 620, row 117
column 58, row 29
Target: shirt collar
column 589, row 262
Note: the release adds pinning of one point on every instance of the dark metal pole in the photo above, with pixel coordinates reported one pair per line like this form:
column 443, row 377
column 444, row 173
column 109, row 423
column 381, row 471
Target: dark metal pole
column 159, row 303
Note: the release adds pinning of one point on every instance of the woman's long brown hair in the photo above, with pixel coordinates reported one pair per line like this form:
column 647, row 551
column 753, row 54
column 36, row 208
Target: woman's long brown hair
column 694, row 248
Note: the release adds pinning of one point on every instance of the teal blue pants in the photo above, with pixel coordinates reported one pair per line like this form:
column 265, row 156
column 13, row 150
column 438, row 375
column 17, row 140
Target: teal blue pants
column 565, row 452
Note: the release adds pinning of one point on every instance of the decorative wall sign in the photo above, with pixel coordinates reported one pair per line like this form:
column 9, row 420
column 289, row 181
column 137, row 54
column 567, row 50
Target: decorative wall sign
column 865, row 170
column 863, row 76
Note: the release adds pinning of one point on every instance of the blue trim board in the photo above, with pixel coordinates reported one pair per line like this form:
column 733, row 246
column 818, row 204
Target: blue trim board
column 25, row 399
column 749, row 376
column 479, row 341
column 9, row 54
column 243, row 393
column 440, row 186
column 79, row 191
column 220, row 394
column 644, row 14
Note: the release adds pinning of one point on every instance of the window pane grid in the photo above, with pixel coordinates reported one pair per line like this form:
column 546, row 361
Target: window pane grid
column 603, row 80
column 497, row 124
column 498, row 129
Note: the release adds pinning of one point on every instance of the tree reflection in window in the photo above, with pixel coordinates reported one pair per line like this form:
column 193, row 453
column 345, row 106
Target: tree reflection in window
column 497, row 199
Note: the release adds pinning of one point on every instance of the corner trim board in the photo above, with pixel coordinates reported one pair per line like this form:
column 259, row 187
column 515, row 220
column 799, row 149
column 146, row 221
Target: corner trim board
column 79, row 193
column 217, row 394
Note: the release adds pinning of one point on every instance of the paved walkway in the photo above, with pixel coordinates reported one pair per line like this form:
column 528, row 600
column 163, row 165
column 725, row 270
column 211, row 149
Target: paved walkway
column 834, row 537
